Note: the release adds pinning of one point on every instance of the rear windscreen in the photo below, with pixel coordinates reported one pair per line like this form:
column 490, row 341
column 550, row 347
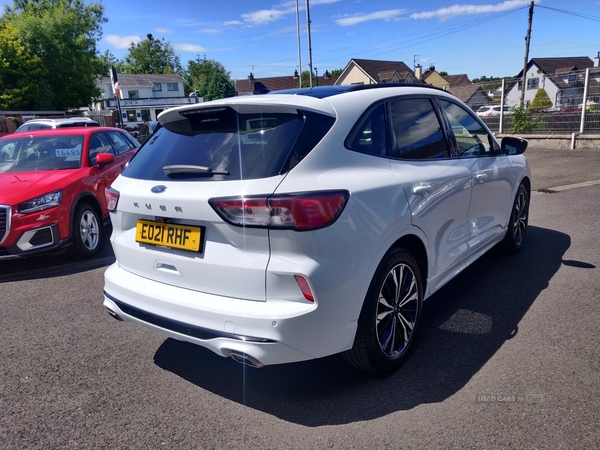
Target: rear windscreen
column 228, row 145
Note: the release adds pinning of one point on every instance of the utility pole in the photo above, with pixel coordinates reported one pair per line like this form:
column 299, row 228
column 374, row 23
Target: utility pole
column 299, row 52
column 310, row 62
column 527, row 42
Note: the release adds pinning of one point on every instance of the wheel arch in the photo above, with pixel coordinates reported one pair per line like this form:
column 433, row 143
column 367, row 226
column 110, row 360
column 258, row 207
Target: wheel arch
column 527, row 183
column 415, row 245
column 412, row 240
column 84, row 198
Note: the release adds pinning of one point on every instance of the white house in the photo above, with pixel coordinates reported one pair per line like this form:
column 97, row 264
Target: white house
column 368, row 71
column 143, row 97
column 561, row 78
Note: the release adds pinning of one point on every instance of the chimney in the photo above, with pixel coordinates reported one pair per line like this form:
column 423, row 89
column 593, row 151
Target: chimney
column 597, row 60
column 418, row 72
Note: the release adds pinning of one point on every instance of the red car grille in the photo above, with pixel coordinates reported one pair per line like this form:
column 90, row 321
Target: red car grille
column 4, row 216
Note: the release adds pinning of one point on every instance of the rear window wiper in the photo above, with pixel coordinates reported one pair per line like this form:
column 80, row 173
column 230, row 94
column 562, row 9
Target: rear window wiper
column 190, row 169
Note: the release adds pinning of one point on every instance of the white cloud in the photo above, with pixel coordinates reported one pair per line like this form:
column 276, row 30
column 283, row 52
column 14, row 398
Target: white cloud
column 264, row 16
column 162, row 31
column 209, row 30
column 389, row 14
column 302, row 4
column 462, row 10
column 189, row 48
column 232, row 23
column 121, row 41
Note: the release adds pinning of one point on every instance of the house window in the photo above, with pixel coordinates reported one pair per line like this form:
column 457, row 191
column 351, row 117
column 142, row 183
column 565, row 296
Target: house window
column 146, row 117
column 533, row 83
column 131, row 116
column 157, row 87
column 172, row 86
column 133, row 94
column 572, row 79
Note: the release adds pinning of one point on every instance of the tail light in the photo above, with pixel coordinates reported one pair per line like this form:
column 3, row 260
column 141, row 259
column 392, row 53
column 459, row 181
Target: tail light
column 301, row 212
column 112, row 198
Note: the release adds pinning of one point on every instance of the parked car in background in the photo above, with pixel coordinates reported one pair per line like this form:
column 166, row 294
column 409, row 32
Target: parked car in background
column 146, row 131
column 52, row 188
column 319, row 229
column 7, row 150
column 492, row 110
column 46, row 124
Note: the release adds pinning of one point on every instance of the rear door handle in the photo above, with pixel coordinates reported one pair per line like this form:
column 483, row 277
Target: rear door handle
column 481, row 177
column 422, row 189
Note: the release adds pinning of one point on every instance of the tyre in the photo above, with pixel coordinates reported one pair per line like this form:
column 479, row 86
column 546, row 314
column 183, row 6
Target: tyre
column 517, row 224
column 390, row 315
column 87, row 232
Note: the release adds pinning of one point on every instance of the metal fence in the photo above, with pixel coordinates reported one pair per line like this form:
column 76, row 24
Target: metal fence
column 572, row 103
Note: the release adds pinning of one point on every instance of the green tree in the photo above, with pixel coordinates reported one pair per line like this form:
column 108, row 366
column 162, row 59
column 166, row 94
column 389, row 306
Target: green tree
column 541, row 101
column 209, row 78
column 108, row 60
column 21, row 73
column 524, row 122
column 219, row 86
column 151, row 56
column 63, row 35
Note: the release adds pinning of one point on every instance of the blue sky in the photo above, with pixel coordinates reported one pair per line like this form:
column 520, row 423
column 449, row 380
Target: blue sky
column 477, row 37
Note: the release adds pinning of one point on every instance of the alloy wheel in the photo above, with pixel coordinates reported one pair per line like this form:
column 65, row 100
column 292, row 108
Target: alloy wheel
column 520, row 218
column 397, row 310
column 89, row 230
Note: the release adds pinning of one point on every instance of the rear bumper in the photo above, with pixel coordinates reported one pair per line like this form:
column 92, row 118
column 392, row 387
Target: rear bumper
column 270, row 332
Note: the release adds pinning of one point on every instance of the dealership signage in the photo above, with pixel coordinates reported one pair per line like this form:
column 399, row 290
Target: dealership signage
column 147, row 102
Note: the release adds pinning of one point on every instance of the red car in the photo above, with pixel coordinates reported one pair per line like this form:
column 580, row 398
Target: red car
column 52, row 188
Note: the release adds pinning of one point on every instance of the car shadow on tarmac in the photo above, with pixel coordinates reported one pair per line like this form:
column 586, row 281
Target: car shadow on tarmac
column 463, row 326
column 55, row 264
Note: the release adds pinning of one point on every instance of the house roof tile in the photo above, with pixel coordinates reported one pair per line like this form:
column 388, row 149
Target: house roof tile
column 248, row 86
column 465, row 92
column 553, row 65
column 457, row 79
column 373, row 67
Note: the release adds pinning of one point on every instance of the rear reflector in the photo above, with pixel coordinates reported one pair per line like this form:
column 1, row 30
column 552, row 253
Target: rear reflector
column 304, row 287
column 301, row 212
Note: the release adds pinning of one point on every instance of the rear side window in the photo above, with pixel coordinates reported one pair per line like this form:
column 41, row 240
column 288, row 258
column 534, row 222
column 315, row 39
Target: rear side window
column 234, row 146
column 416, row 130
column 369, row 134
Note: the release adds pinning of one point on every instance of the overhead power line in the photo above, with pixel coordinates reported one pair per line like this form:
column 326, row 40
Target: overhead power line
column 572, row 13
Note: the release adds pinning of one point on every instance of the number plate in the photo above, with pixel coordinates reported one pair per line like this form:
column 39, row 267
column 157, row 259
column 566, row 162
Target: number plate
column 183, row 237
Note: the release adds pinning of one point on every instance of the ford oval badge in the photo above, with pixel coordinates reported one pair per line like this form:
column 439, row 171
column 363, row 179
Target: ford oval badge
column 158, row 189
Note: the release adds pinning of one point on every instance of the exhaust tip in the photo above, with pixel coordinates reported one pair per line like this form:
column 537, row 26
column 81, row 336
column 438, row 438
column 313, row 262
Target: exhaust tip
column 114, row 315
column 247, row 360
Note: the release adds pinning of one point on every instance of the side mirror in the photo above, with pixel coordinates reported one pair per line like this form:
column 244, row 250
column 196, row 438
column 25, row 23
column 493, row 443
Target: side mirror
column 102, row 159
column 513, row 145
